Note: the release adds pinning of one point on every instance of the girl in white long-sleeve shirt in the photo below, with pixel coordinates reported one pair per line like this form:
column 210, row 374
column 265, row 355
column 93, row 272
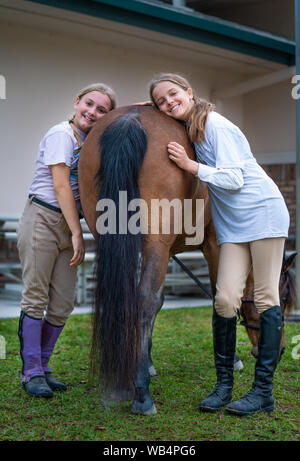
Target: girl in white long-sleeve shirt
column 251, row 221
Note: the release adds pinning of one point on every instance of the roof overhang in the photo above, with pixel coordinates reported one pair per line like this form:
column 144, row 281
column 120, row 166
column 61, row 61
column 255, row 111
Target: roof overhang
column 190, row 25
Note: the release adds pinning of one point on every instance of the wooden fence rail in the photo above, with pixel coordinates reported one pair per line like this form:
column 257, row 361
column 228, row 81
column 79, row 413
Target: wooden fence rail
column 177, row 282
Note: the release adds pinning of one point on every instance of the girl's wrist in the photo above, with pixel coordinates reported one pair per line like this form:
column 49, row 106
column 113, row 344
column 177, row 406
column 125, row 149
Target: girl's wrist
column 77, row 233
column 192, row 167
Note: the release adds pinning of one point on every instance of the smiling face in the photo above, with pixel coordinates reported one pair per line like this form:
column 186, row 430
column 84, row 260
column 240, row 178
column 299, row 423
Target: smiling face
column 173, row 100
column 90, row 108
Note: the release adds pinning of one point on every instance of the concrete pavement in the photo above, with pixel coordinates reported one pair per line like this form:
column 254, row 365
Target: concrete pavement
column 10, row 304
column 11, row 296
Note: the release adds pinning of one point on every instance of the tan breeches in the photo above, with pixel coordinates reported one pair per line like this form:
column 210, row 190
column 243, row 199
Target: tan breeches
column 45, row 250
column 235, row 263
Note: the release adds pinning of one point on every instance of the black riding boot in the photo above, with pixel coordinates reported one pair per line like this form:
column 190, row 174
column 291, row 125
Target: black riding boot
column 260, row 397
column 224, row 334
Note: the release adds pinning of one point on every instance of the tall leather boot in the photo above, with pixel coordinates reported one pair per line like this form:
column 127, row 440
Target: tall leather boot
column 224, row 335
column 260, row 397
column 32, row 374
column 50, row 334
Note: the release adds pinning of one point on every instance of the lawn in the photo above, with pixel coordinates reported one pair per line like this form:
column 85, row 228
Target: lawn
column 182, row 354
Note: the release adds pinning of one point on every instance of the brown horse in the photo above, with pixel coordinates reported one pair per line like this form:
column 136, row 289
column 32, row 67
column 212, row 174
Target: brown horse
column 126, row 151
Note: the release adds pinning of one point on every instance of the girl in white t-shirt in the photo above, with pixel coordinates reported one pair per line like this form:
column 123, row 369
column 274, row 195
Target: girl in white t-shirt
column 251, row 221
column 50, row 240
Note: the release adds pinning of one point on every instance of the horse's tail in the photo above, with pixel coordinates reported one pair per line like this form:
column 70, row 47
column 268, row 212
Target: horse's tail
column 116, row 319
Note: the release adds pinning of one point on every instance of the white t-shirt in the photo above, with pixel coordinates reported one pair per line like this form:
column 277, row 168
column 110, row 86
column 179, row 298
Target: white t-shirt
column 246, row 204
column 57, row 146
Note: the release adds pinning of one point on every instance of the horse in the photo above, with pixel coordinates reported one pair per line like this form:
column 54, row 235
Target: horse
column 127, row 151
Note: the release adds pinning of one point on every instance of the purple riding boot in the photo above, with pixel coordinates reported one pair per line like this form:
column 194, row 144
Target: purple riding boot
column 50, row 334
column 32, row 374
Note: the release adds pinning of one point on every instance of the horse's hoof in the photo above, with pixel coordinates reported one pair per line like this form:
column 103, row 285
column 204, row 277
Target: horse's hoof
column 140, row 409
column 152, row 371
column 238, row 365
column 151, row 411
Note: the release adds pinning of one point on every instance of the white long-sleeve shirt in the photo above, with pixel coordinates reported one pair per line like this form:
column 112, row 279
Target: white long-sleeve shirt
column 246, row 204
column 227, row 178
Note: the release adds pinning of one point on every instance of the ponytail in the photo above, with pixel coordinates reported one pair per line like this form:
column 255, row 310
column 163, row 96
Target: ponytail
column 197, row 119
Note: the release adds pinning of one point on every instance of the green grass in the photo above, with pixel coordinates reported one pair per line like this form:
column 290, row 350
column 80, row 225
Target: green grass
column 182, row 354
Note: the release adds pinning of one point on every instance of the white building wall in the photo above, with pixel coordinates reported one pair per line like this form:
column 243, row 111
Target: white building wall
column 270, row 118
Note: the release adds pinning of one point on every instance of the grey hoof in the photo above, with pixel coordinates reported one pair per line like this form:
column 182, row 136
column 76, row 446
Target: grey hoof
column 151, row 411
column 152, row 371
column 238, row 365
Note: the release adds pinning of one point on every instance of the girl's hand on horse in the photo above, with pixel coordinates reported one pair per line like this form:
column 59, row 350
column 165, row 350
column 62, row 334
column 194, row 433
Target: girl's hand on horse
column 178, row 154
column 79, row 250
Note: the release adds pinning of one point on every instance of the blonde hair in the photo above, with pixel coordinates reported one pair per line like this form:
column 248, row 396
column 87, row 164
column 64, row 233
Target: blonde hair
column 197, row 117
column 102, row 88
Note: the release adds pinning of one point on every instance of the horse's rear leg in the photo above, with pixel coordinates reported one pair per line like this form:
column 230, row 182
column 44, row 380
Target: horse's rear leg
column 122, row 394
column 153, row 274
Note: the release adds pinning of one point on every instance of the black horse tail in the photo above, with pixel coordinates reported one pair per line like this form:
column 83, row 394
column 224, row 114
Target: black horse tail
column 116, row 319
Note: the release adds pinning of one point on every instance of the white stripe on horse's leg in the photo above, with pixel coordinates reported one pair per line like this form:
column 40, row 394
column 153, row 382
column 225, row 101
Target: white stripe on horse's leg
column 159, row 299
